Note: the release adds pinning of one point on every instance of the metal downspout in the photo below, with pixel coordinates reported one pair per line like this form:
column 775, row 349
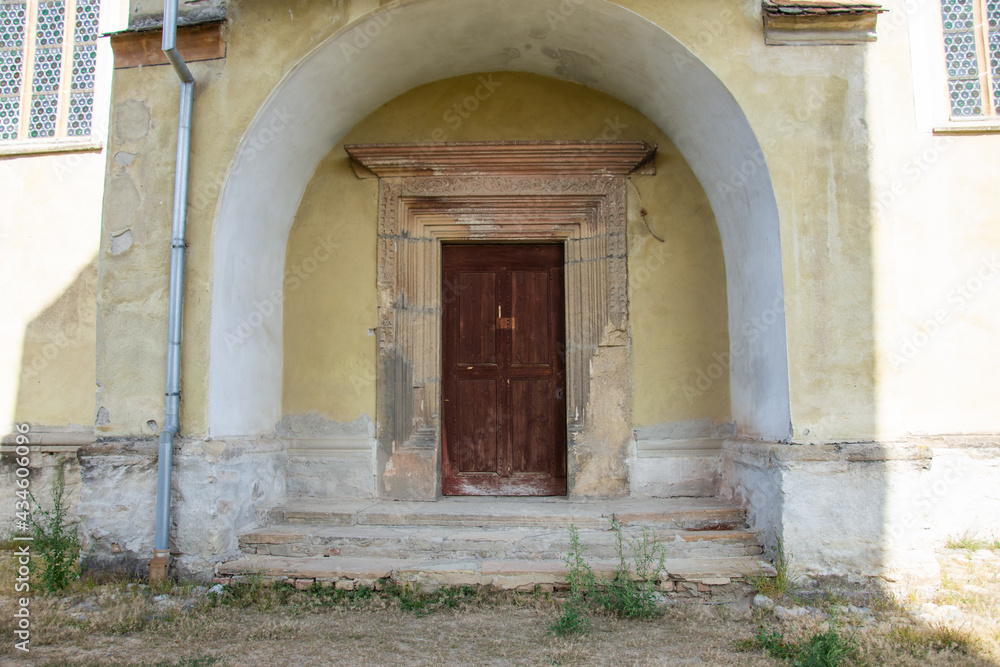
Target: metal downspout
column 160, row 563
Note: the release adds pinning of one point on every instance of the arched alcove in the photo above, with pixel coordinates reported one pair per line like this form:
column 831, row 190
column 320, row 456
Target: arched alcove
column 599, row 44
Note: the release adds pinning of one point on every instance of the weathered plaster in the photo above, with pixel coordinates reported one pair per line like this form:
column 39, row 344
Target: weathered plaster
column 679, row 458
column 866, row 509
column 218, row 488
column 328, row 459
column 598, row 458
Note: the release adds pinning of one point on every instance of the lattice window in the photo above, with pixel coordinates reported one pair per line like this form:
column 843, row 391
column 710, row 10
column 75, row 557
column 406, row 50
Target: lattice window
column 48, row 53
column 972, row 56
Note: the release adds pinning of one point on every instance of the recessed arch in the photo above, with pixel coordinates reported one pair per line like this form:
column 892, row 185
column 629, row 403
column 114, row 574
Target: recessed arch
column 403, row 46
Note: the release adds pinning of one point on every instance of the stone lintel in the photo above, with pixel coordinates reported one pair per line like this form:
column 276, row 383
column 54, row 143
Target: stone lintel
column 508, row 158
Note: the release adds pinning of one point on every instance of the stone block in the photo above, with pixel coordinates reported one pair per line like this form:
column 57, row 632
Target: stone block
column 304, row 584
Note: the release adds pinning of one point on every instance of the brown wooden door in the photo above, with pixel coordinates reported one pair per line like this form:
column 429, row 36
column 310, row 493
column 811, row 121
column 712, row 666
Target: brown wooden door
column 504, row 379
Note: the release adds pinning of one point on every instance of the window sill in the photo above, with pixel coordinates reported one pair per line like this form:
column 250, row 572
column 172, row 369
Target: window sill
column 43, row 146
column 986, row 126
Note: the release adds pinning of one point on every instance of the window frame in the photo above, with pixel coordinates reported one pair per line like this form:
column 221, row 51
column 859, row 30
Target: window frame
column 932, row 97
column 61, row 141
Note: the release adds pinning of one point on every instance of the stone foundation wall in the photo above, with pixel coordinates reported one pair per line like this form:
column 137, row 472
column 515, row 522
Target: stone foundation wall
column 865, row 509
column 218, row 488
column 44, row 462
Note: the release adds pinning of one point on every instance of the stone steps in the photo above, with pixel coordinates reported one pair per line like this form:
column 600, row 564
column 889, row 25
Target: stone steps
column 511, row 543
column 493, row 543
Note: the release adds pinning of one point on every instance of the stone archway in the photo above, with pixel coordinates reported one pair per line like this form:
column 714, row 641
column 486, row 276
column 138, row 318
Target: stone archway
column 426, row 40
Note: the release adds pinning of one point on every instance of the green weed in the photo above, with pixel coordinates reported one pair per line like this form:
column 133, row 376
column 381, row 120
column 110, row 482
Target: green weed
column 628, row 596
column 55, row 542
column 631, row 591
column 823, row 649
column 582, row 583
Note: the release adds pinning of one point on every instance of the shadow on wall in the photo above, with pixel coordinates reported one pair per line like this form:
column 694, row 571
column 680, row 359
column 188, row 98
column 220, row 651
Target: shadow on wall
column 58, row 377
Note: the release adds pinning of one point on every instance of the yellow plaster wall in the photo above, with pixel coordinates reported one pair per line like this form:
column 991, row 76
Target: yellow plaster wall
column 49, row 217
column 677, row 288
column 812, row 111
column 264, row 41
column 806, row 104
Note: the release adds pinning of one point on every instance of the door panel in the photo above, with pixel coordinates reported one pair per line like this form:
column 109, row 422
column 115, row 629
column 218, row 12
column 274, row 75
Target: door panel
column 531, row 424
column 476, row 419
column 530, row 310
column 503, row 376
column 477, row 308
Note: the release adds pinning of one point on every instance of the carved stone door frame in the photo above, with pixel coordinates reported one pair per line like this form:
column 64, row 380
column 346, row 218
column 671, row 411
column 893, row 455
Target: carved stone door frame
column 572, row 192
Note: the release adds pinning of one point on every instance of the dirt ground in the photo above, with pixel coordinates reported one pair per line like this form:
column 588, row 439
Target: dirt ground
column 130, row 624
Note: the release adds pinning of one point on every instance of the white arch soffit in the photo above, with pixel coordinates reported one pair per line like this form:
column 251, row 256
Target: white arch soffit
column 362, row 67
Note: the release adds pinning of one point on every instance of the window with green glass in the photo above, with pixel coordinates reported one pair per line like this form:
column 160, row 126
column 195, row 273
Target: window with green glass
column 48, row 53
column 972, row 56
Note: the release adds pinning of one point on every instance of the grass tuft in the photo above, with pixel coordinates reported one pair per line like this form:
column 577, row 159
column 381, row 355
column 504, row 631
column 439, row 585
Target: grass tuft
column 773, row 586
column 969, row 541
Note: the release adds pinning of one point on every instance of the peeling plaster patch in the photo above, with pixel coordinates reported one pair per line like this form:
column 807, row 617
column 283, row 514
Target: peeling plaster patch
column 103, row 418
column 151, row 425
column 132, row 120
column 122, row 200
column 124, row 159
column 574, row 65
column 121, row 242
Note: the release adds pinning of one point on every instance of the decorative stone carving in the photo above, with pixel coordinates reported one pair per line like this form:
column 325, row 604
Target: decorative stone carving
column 429, row 193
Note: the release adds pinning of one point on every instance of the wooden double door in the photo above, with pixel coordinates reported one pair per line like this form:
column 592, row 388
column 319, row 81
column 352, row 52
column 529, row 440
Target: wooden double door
column 504, row 378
